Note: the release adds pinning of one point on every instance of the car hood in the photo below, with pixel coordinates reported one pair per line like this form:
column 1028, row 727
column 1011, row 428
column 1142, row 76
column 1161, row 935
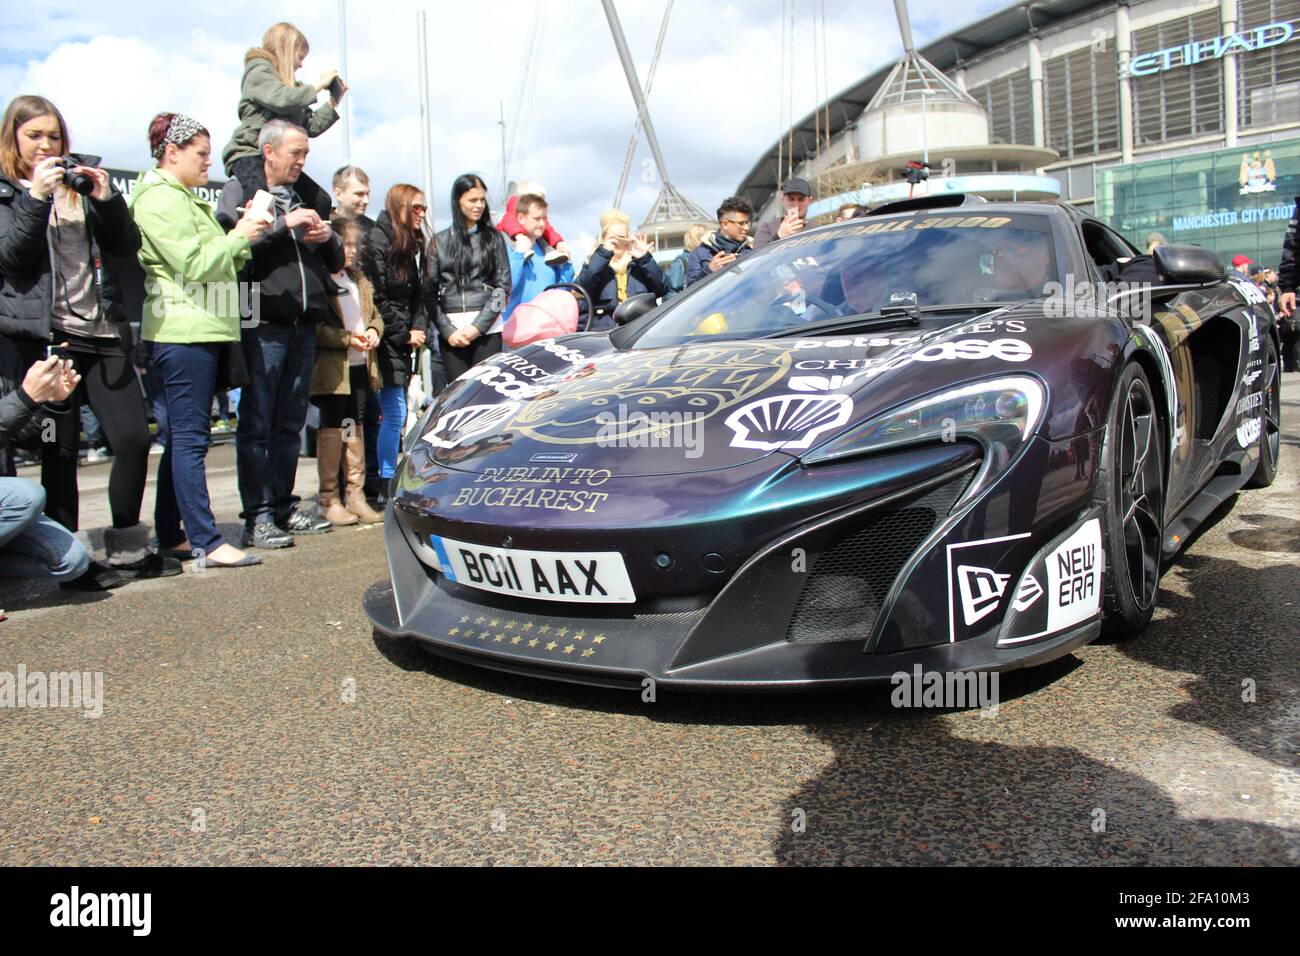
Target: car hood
column 579, row 403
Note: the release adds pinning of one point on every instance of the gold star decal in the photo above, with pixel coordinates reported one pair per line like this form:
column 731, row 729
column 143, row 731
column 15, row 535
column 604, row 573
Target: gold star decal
column 580, row 635
column 510, row 625
column 495, row 623
column 587, row 652
column 482, row 635
column 528, row 626
column 465, row 619
column 533, row 642
column 498, row 639
column 545, row 628
column 569, row 649
column 552, row 646
column 560, row 632
column 516, row 639
column 478, row 620
column 598, row 639
column 454, row 631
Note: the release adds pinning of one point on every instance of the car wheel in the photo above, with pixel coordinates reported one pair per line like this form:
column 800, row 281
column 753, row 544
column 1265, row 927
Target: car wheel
column 1270, row 435
column 1131, row 493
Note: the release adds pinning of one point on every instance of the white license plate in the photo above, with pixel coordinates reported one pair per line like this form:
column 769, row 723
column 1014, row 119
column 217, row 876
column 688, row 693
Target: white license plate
column 595, row 577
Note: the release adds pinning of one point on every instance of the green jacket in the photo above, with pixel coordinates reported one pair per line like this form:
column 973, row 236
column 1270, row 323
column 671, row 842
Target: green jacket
column 191, row 265
column 264, row 97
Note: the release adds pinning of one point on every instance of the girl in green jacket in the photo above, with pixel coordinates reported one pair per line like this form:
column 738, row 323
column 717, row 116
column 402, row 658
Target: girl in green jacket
column 192, row 311
column 270, row 91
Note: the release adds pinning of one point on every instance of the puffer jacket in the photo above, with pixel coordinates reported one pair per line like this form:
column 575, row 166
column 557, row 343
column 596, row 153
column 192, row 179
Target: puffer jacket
column 26, row 289
column 329, row 376
column 485, row 289
column 400, row 301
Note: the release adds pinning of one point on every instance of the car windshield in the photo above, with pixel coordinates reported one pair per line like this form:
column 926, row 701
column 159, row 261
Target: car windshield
column 901, row 263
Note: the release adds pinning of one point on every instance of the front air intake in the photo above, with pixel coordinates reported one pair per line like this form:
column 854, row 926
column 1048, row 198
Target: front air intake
column 850, row 579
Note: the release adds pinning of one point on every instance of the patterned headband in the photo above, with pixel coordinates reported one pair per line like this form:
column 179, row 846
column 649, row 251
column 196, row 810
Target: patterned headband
column 181, row 131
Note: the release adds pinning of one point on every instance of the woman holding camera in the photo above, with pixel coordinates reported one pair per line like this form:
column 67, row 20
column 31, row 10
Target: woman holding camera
column 183, row 247
column 59, row 218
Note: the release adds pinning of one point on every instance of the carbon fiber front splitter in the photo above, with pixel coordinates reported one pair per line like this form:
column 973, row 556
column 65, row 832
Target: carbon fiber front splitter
column 611, row 647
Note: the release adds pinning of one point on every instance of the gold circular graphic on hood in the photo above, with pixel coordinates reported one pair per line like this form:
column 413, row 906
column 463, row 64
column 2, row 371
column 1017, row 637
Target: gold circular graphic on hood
column 664, row 388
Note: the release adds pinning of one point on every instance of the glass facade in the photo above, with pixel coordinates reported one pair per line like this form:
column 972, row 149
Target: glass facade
column 1230, row 200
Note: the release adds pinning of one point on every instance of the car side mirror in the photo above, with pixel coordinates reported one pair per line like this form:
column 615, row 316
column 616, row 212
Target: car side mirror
column 1189, row 265
column 635, row 306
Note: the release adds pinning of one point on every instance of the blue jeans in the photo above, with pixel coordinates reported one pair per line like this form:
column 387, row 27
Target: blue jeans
column 392, row 405
column 32, row 545
column 188, row 374
column 272, row 412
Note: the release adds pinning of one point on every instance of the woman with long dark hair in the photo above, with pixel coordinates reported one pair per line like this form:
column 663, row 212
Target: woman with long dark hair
column 469, row 273
column 57, row 228
column 396, row 269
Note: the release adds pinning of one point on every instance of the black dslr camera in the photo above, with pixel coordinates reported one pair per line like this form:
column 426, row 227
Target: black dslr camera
column 78, row 182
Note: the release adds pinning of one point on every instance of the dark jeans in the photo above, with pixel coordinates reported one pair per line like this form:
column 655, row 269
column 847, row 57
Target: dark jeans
column 188, row 374
column 111, row 387
column 372, row 437
column 272, row 412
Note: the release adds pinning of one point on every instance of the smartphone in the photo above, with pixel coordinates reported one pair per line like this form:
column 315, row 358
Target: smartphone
column 336, row 88
column 261, row 205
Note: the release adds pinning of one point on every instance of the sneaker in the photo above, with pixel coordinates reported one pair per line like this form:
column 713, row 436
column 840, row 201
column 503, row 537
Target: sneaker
column 150, row 566
column 221, row 425
column 96, row 455
column 265, row 534
column 157, row 448
column 554, row 257
column 98, row 577
column 300, row 522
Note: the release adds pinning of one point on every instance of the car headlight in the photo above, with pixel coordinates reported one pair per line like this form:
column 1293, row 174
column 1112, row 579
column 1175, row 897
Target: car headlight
column 1001, row 414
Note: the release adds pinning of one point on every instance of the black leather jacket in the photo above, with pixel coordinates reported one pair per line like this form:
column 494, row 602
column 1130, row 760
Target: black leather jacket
column 485, row 290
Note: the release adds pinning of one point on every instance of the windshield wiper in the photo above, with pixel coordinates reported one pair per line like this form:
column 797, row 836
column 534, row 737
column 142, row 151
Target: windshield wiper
column 888, row 317
column 893, row 316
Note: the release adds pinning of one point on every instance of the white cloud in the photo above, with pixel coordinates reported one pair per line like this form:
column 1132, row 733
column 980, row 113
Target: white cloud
column 717, row 102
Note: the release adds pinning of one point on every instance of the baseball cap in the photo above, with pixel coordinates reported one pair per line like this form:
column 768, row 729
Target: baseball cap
column 796, row 184
column 1241, row 260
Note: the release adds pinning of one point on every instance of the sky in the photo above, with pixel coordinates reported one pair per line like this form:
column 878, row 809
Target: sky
column 718, row 101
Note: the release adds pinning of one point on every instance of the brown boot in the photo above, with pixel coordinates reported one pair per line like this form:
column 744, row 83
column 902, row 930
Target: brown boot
column 355, row 450
column 329, row 448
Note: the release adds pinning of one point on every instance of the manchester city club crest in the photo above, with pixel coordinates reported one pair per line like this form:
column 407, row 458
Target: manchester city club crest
column 1257, row 175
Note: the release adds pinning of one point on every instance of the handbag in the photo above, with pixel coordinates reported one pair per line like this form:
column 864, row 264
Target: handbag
column 232, row 372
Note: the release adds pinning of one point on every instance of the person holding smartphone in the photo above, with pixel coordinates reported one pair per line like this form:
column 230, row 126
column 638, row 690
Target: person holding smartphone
column 270, row 90
column 622, row 265
column 718, row 250
column 58, row 225
column 31, row 544
column 796, row 195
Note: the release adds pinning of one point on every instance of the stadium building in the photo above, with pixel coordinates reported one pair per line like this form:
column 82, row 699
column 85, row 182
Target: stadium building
column 1174, row 117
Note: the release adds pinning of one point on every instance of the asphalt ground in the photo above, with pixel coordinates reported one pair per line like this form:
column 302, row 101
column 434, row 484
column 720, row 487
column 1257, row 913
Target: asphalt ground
column 252, row 716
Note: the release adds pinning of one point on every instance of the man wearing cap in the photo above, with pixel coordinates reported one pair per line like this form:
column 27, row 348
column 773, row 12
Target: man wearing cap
column 796, row 194
column 1241, row 266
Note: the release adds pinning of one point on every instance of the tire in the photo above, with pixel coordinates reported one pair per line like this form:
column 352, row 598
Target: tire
column 1131, row 494
column 1270, row 435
